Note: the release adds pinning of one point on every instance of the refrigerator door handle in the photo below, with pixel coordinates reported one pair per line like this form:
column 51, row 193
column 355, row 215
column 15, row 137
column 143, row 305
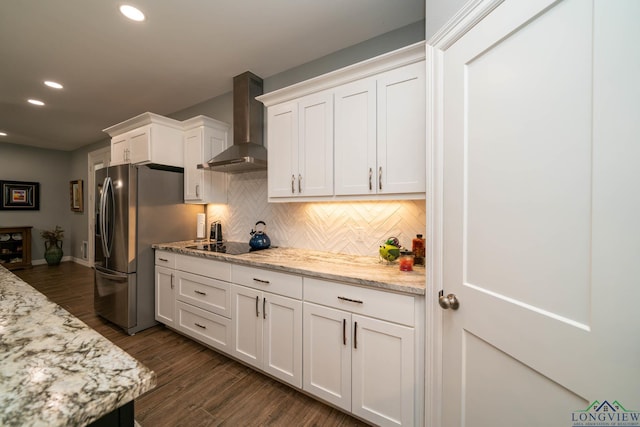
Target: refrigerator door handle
column 106, row 226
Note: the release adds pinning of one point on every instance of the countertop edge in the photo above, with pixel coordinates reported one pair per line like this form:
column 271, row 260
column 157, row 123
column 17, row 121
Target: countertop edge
column 250, row 260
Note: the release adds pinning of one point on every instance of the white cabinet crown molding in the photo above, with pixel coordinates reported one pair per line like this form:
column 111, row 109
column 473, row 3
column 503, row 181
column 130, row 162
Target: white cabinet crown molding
column 198, row 121
column 407, row 55
column 141, row 120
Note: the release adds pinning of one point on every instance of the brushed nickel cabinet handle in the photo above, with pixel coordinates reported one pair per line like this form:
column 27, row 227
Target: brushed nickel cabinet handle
column 200, row 326
column 266, row 282
column 264, row 311
column 357, row 301
column 163, row 259
column 197, row 190
column 299, row 183
column 355, row 335
column 171, row 280
column 344, row 331
column 200, row 292
column 293, row 181
column 380, row 178
column 257, row 302
column 370, row 179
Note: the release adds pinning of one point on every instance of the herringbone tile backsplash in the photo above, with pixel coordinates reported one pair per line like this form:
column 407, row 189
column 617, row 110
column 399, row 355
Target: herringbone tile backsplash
column 357, row 228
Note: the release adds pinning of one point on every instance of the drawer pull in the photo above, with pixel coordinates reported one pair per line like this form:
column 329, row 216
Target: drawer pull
column 266, row 282
column 200, row 326
column 357, row 301
column 264, row 309
column 163, row 259
column 200, row 292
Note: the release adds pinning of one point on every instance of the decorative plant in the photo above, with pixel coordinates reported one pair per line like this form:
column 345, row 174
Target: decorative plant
column 53, row 236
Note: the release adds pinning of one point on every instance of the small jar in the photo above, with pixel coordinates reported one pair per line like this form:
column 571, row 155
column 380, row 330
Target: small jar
column 406, row 261
column 417, row 247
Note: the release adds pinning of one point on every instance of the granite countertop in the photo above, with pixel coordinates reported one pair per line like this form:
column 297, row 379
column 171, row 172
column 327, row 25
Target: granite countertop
column 54, row 369
column 353, row 269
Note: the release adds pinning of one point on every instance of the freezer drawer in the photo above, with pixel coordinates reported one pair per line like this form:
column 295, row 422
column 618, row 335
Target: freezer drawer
column 114, row 297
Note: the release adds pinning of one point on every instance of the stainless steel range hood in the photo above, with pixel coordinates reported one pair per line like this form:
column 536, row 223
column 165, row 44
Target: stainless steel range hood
column 247, row 152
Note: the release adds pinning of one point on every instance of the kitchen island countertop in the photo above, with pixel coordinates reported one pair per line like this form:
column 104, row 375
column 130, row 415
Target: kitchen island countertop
column 353, row 269
column 54, row 369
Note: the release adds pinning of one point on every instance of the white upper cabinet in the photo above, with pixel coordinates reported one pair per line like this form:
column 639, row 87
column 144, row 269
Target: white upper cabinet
column 147, row 138
column 401, row 133
column 380, row 133
column 301, row 158
column 204, row 138
column 357, row 133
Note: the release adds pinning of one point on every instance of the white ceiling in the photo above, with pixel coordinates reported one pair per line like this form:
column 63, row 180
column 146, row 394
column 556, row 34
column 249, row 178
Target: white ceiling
column 186, row 52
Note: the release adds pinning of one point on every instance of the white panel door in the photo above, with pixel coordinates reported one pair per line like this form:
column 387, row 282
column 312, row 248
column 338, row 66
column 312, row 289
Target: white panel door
column 282, row 153
column 541, row 237
column 193, row 155
column 355, row 138
column 382, row 380
column 401, row 130
column 246, row 315
column 165, row 296
column 315, row 155
column 327, row 354
column 282, row 319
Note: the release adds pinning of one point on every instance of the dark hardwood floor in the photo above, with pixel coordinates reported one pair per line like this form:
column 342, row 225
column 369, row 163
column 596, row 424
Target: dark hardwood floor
column 196, row 386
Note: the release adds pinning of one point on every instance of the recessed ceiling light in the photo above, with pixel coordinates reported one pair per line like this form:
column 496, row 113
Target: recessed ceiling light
column 54, row 85
column 35, row 102
column 131, row 12
column 3, row 134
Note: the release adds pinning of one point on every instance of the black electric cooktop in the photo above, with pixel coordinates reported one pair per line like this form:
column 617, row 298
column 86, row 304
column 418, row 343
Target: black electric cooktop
column 231, row 248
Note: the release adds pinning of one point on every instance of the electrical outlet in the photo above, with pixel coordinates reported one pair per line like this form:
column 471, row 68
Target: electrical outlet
column 359, row 231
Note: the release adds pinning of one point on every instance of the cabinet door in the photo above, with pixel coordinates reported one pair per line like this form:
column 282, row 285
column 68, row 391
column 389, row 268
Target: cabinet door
column 327, row 354
column 165, row 297
column 193, row 155
column 119, row 150
column 383, row 372
column 355, row 138
column 140, row 145
column 283, row 149
column 282, row 326
column 401, row 130
column 315, row 152
column 246, row 314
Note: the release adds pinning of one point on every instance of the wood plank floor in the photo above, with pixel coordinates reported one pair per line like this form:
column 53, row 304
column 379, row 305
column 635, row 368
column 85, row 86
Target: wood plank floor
column 196, row 386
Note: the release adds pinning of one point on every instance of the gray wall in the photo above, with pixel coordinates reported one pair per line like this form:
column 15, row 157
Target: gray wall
column 51, row 169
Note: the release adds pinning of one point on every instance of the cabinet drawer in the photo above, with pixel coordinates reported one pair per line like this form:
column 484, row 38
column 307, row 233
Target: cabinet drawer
column 204, row 267
column 166, row 259
column 288, row 285
column 369, row 302
column 206, row 327
column 208, row 294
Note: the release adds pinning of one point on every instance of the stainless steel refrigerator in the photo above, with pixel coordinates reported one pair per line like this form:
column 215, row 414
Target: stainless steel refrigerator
column 136, row 206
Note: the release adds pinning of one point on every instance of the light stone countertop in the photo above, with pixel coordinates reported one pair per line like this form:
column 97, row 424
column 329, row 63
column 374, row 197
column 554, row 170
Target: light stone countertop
column 54, row 369
column 352, row 269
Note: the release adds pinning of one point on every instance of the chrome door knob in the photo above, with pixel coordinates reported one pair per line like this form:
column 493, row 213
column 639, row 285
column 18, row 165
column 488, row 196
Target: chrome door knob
column 448, row 302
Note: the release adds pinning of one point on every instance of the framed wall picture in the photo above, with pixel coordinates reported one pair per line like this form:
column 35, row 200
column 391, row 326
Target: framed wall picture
column 75, row 194
column 19, row 195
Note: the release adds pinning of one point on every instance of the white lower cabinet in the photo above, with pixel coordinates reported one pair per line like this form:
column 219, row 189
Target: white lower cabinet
column 359, row 363
column 165, row 296
column 359, row 351
column 267, row 327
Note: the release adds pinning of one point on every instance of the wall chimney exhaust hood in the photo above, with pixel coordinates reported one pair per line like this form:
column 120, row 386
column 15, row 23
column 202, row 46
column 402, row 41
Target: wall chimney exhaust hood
column 247, row 152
